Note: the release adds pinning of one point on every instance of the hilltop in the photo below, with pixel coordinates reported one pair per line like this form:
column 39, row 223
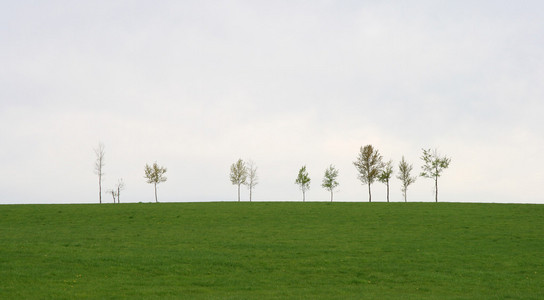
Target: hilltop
column 272, row 250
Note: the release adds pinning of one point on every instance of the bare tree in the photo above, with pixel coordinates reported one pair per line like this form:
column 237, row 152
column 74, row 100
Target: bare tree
column 433, row 167
column 303, row 180
column 385, row 175
column 329, row 180
column 120, row 186
column 405, row 177
column 252, row 178
column 238, row 174
column 113, row 193
column 99, row 164
column 155, row 175
column 368, row 164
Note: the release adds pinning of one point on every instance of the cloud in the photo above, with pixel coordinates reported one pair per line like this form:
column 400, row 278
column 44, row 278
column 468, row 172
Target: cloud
column 197, row 85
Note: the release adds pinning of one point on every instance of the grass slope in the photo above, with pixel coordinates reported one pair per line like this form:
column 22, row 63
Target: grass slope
column 272, row 250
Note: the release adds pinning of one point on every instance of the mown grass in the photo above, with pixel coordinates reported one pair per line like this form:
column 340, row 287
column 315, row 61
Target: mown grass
column 272, row 250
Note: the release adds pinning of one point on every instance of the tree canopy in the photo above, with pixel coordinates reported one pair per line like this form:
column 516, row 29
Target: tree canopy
column 303, row 180
column 385, row 175
column 368, row 164
column 329, row 180
column 433, row 166
column 405, row 177
column 238, row 174
column 155, row 175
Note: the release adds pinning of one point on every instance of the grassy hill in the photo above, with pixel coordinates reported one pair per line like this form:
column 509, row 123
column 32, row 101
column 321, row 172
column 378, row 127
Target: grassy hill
column 272, row 250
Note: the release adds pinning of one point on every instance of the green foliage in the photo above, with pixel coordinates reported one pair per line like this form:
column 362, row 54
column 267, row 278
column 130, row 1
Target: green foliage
column 433, row 167
column 272, row 251
column 405, row 176
column 433, row 164
column 329, row 180
column 303, row 181
column 385, row 175
column 386, row 172
column 155, row 174
column 368, row 165
column 238, row 172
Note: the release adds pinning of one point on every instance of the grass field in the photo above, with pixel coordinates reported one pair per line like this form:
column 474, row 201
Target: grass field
column 272, row 250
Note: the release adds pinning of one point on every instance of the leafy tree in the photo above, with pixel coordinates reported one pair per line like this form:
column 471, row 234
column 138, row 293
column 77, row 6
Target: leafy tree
column 433, row 167
column 368, row 164
column 155, row 175
column 99, row 164
column 238, row 174
column 303, row 180
column 405, row 177
column 252, row 178
column 329, row 180
column 385, row 175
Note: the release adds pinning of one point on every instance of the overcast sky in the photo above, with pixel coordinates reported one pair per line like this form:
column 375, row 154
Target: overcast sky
column 195, row 85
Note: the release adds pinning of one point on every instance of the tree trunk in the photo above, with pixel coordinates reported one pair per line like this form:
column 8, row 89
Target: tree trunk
column 405, row 196
column 238, row 192
column 303, row 196
column 331, row 195
column 369, row 194
column 387, row 191
column 250, row 192
column 100, row 189
column 156, row 201
column 436, row 189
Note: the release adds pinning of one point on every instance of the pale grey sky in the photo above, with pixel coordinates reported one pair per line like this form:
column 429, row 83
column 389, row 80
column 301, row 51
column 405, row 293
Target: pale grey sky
column 194, row 85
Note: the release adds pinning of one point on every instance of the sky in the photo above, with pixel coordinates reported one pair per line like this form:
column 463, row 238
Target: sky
column 195, row 85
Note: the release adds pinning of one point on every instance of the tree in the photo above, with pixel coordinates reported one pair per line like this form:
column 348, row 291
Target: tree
column 385, row 175
column 405, row 177
column 238, row 174
column 113, row 193
column 155, row 175
column 329, row 180
column 99, row 164
column 433, row 167
column 120, row 186
column 252, row 178
column 116, row 191
column 368, row 164
column 303, row 180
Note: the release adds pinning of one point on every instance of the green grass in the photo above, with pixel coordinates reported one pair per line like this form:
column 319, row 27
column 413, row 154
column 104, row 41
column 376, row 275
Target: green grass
column 272, row 250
